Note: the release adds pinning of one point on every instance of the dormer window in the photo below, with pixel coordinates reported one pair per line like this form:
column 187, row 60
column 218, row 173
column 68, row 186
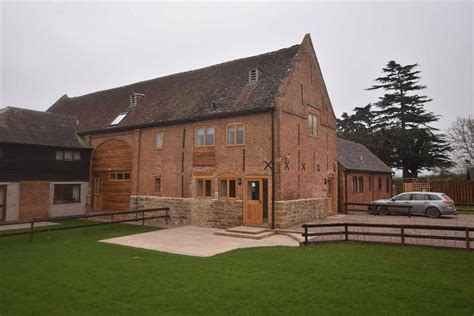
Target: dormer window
column 119, row 118
column 253, row 75
column 135, row 98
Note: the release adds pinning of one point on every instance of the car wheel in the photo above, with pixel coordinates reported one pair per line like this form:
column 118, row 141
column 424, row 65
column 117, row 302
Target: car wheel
column 383, row 210
column 433, row 212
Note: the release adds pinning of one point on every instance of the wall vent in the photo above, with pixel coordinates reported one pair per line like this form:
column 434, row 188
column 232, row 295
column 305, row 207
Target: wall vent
column 135, row 98
column 253, row 75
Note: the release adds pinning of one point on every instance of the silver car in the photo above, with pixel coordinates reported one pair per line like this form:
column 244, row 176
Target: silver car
column 432, row 204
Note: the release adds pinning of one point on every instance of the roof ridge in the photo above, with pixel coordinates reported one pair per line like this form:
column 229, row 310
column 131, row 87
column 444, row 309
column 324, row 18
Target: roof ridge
column 184, row 72
column 37, row 111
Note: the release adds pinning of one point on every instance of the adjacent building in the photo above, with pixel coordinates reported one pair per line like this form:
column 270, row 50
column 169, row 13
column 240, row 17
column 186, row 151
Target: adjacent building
column 250, row 141
column 44, row 166
column 363, row 177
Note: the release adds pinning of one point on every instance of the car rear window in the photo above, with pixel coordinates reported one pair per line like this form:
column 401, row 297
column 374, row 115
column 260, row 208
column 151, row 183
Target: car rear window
column 446, row 197
column 434, row 197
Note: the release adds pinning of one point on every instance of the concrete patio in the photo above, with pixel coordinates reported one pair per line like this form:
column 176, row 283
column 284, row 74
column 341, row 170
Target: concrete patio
column 196, row 241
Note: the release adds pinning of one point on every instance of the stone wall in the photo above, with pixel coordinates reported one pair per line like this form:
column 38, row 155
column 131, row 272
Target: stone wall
column 294, row 212
column 190, row 211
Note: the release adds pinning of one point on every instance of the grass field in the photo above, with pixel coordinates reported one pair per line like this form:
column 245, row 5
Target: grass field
column 70, row 273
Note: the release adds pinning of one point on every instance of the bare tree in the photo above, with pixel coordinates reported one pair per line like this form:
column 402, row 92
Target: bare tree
column 461, row 134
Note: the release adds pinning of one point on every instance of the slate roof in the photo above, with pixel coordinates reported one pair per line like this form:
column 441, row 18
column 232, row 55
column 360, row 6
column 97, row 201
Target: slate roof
column 22, row 126
column 356, row 157
column 186, row 96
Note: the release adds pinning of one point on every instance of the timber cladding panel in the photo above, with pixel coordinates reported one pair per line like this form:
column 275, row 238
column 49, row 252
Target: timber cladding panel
column 205, row 156
column 113, row 155
column 34, row 199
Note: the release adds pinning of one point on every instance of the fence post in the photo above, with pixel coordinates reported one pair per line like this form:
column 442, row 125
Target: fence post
column 143, row 218
column 87, row 223
column 468, row 242
column 403, row 234
column 32, row 226
column 346, row 231
column 111, row 222
column 167, row 215
column 305, row 234
column 409, row 211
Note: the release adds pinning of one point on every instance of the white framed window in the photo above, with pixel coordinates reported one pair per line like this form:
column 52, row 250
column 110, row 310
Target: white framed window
column 119, row 118
column 312, row 125
column 159, row 140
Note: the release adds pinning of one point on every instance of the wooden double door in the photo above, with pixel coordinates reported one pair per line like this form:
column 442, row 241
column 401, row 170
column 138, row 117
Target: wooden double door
column 256, row 201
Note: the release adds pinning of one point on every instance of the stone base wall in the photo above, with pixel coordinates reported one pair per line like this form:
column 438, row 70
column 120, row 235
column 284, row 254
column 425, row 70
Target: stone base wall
column 294, row 212
column 190, row 211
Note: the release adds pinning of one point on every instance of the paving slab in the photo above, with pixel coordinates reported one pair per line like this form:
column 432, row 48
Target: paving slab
column 196, row 241
column 23, row 226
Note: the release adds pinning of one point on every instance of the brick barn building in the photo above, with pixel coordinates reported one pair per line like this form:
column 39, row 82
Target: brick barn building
column 363, row 177
column 44, row 167
column 250, row 141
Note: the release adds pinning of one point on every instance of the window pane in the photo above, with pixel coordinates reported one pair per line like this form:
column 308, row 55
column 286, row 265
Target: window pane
column 200, row 188
column 420, row 197
column 434, row 197
column 59, row 155
column 240, row 134
column 310, row 124
column 200, row 136
column 208, row 187
column 315, row 125
column 126, row 175
column 223, row 188
column 67, row 193
column 158, row 185
column 159, row 141
column 361, row 184
column 119, row 176
column 230, row 135
column 68, row 155
column 379, row 180
column 77, row 155
column 403, row 197
column 113, row 176
column 253, row 190
column 210, row 136
column 232, row 188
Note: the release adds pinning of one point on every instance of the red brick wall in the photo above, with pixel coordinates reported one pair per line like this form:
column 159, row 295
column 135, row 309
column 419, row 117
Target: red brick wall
column 166, row 163
column 369, row 194
column 303, row 93
column 34, row 199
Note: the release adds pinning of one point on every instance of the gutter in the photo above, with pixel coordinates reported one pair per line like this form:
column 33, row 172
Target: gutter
column 178, row 121
column 273, row 168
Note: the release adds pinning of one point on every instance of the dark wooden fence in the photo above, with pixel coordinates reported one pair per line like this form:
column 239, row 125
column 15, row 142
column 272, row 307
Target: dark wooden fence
column 114, row 218
column 462, row 192
column 346, row 232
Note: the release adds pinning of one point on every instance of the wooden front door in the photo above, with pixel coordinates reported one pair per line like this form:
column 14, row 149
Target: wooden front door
column 331, row 195
column 98, row 194
column 253, row 202
column 3, row 202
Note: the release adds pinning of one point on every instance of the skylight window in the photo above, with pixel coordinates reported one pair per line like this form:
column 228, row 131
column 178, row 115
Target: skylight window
column 119, row 118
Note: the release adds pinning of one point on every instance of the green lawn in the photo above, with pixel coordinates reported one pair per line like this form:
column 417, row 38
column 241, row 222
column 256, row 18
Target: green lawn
column 465, row 209
column 67, row 272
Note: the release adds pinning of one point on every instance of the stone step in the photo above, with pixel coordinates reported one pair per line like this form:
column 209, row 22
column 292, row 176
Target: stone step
column 261, row 235
column 247, row 230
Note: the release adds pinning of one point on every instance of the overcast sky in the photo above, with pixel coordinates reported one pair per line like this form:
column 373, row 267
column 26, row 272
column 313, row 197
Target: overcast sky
column 51, row 49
